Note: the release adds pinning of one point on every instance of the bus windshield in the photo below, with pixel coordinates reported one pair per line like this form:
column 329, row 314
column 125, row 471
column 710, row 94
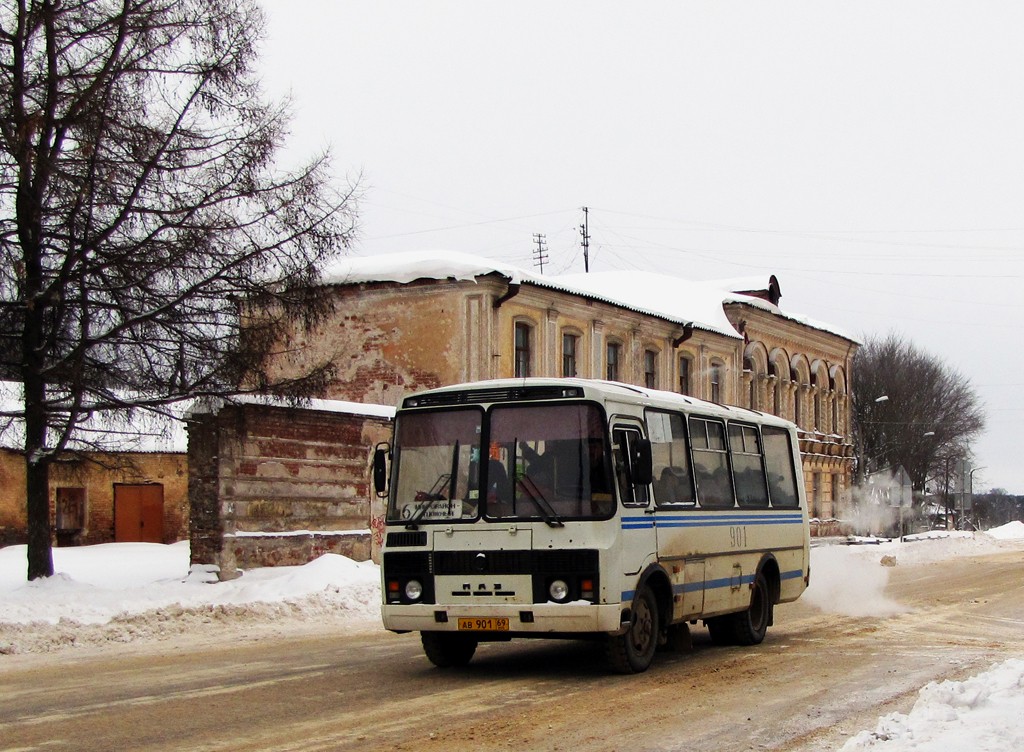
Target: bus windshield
column 545, row 462
column 548, row 462
column 437, row 466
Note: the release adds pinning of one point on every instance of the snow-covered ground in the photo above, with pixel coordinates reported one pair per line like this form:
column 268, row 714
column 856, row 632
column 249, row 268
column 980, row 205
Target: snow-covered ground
column 126, row 592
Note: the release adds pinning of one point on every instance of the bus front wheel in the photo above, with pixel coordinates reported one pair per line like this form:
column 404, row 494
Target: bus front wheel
column 448, row 649
column 633, row 651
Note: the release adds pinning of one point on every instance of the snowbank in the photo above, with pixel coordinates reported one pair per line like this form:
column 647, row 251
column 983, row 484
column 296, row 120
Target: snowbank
column 121, row 592
column 983, row 714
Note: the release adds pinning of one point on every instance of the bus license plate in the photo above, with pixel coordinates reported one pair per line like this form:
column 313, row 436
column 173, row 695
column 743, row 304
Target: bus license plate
column 489, row 624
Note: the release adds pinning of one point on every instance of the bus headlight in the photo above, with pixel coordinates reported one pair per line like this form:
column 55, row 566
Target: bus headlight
column 558, row 590
column 413, row 590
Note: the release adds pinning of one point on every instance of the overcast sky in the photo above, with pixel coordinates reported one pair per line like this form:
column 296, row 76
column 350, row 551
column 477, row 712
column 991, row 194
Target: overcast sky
column 870, row 154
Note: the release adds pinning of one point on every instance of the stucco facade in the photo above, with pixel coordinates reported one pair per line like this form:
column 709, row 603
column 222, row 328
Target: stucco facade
column 388, row 339
column 802, row 373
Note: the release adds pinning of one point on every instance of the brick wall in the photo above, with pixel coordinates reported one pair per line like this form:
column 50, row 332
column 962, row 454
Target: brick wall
column 97, row 474
column 279, row 486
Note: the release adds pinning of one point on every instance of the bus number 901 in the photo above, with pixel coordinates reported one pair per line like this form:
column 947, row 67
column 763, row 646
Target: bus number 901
column 738, row 537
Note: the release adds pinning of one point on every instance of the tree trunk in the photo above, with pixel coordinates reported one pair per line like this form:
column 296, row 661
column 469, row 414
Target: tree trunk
column 37, row 488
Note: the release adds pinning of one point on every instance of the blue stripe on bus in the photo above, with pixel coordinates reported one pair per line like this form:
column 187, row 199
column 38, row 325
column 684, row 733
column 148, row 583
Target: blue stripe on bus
column 648, row 522
column 722, row 582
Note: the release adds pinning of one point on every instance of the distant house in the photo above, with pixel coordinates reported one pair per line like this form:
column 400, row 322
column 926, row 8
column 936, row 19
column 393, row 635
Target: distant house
column 134, row 490
column 410, row 321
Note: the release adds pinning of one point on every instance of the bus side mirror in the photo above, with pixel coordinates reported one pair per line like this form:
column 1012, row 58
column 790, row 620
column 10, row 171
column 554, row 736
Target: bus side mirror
column 380, row 469
column 643, row 463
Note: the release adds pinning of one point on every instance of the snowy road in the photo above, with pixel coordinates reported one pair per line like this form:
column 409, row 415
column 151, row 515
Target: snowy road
column 818, row 679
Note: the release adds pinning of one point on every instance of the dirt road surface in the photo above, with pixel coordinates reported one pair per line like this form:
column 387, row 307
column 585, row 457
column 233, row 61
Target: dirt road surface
column 817, row 679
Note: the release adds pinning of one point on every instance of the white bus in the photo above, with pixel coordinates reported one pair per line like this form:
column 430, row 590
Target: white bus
column 574, row 508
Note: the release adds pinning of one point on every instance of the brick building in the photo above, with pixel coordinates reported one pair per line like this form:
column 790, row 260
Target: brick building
column 405, row 322
column 271, row 484
column 135, row 492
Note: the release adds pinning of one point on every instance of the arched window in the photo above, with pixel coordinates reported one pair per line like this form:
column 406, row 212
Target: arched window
column 613, row 358
column 816, row 397
column 685, row 367
column 751, row 377
column 570, row 351
column 651, row 369
column 717, row 372
column 524, row 350
column 773, row 389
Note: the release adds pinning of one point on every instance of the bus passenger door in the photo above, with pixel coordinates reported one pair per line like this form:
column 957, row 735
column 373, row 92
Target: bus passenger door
column 632, row 466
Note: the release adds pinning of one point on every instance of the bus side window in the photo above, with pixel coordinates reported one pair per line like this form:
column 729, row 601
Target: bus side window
column 626, row 447
column 711, row 463
column 673, row 481
column 782, row 478
column 748, row 466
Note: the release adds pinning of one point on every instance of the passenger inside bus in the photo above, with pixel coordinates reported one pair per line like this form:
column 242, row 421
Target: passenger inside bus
column 673, row 487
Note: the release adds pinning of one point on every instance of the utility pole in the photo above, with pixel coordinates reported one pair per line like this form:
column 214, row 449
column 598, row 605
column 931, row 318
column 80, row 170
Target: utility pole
column 540, row 254
column 584, row 228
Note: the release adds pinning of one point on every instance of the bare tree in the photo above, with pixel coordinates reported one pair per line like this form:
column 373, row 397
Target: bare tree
column 140, row 207
column 910, row 409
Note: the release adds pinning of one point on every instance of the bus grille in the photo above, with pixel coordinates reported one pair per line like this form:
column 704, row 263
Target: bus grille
column 515, row 562
column 408, row 538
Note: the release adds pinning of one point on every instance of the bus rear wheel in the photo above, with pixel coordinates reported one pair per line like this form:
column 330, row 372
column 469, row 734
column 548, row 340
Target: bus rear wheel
column 745, row 627
column 448, row 649
column 750, row 626
column 633, row 651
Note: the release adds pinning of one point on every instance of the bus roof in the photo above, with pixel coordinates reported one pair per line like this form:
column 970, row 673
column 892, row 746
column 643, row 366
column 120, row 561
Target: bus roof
column 495, row 390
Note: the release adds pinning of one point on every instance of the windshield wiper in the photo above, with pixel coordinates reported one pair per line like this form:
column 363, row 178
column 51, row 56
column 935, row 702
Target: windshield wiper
column 537, row 497
column 435, row 494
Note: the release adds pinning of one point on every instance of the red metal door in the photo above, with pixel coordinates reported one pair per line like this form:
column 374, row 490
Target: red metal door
column 139, row 513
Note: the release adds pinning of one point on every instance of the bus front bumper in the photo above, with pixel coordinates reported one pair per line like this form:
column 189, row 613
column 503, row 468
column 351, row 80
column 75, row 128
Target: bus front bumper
column 528, row 618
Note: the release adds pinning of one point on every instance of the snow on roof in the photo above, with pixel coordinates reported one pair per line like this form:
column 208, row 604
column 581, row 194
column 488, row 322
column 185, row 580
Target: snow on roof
column 656, row 294
column 144, row 431
column 408, row 267
column 323, row 405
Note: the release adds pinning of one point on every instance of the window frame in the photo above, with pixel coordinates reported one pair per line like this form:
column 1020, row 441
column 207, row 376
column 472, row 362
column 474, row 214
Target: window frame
column 701, row 477
column 685, row 380
column 747, row 434
column 716, row 377
column 651, row 368
column 522, row 350
column 683, row 480
column 613, row 366
column 780, row 461
column 570, row 358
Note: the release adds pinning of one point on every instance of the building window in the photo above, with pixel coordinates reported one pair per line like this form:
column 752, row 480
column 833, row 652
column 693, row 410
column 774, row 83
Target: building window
column 570, row 345
column 70, row 521
column 650, row 369
column 773, row 390
column 816, row 403
column 523, row 356
column 716, row 382
column 614, row 352
column 70, row 509
column 684, row 374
